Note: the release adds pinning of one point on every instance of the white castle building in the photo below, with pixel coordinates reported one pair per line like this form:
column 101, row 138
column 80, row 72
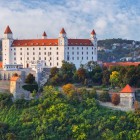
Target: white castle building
column 49, row 52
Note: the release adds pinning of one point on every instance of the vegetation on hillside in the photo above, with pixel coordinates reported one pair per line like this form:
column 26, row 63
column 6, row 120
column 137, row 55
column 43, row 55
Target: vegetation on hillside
column 57, row 115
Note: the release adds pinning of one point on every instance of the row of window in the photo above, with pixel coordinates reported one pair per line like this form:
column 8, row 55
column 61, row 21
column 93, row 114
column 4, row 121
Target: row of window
column 82, row 53
column 57, row 58
column 49, row 53
column 68, row 58
column 34, row 48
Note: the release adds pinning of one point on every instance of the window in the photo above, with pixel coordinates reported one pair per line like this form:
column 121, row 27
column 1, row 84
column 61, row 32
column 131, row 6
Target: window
column 87, row 52
column 95, row 51
column 14, row 53
column 92, row 58
column 33, row 58
column 92, row 48
column 20, row 53
column 44, row 58
column 14, row 48
column 14, row 58
column 33, row 48
column 39, row 48
column 57, row 58
column 44, row 48
column 87, row 48
column 27, row 58
column 77, row 58
column 50, row 58
column 57, row 53
column 67, row 52
column 87, row 58
column 57, row 64
column 72, row 58
column 57, row 48
column 27, row 53
column 27, row 48
column 77, row 52
column 50, row 48
column 68, row 48
column 73, row 53
column 20, row 48
column 20, row 58
column 77, row 48
column 82, row 48
column 92, row 52
column 44, row 53
column 50, row 64
column 39, row 53
column 82, row 52
column 73, row 48
column 82, row 58
column 33, row 53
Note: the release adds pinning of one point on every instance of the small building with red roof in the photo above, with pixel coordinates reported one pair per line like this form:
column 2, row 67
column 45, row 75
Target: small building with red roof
column 127, row 96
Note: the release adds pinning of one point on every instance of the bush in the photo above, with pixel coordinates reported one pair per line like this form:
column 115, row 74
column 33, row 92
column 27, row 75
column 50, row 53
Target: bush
column 68, row 88
column 104, row 96
column 30, row 79
column 30, row 88
column 115, row 99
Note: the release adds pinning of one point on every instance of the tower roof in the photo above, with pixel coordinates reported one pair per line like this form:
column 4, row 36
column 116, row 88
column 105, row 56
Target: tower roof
column 62, row 31
column 127, row 89
column 8, row 30
column 93, row 32
column 44, row 34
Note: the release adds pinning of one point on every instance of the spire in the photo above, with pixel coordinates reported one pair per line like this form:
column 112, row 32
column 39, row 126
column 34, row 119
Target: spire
column 44, row 35
column 62, row 31
column 93, row 32
column 8, row 30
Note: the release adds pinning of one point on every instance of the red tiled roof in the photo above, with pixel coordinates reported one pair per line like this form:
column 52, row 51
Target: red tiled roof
column 1, row 64
column 8, row 30
column 93, row 32
column 127, row 89
column 121, row 64
column 14, row 78
column 62, row 31
column 79, row 42
column 50, row 42
column 44, row 34
column 35, row 42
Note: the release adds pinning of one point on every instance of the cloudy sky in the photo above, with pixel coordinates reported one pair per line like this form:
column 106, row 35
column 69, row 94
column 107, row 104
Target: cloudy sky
column 109, row 18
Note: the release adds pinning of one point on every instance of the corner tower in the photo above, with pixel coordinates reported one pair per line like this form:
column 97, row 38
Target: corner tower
column 6, row 46
column 93, row 39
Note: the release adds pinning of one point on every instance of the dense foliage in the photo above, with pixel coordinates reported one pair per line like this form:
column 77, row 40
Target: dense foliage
column 55, row 116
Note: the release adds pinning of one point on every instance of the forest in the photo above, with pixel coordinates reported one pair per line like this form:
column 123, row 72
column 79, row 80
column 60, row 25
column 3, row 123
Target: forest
column 65, row 115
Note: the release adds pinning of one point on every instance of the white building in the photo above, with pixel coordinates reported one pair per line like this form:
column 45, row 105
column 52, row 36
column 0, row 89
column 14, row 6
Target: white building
column 127, row 96
column 48, row 52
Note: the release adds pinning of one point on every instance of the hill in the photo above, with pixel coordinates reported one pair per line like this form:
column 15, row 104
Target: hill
column 110, row 50
column 57, row 116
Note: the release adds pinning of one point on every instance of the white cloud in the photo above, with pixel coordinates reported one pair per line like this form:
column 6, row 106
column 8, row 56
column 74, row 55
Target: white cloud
column 79, row 17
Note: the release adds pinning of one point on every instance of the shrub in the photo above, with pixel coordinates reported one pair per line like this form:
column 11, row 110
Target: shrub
column 30, row 79
column 104, row 96
column 68, row 88
column 30, row 88
column 115, row 99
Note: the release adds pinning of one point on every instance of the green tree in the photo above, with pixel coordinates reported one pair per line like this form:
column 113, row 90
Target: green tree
column 114, row 78
column 30, row 79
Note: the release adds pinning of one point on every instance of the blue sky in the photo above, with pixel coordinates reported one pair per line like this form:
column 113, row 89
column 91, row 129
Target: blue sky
column 109, row 18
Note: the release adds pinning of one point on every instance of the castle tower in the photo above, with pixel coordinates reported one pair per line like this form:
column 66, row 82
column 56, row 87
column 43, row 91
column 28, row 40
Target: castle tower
column 93, row 39
column 6, row 44
column 127, row 96
column 44, row 36
column 63, row 41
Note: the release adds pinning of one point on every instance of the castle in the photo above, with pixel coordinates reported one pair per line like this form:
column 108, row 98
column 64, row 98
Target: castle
column 47, row 52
